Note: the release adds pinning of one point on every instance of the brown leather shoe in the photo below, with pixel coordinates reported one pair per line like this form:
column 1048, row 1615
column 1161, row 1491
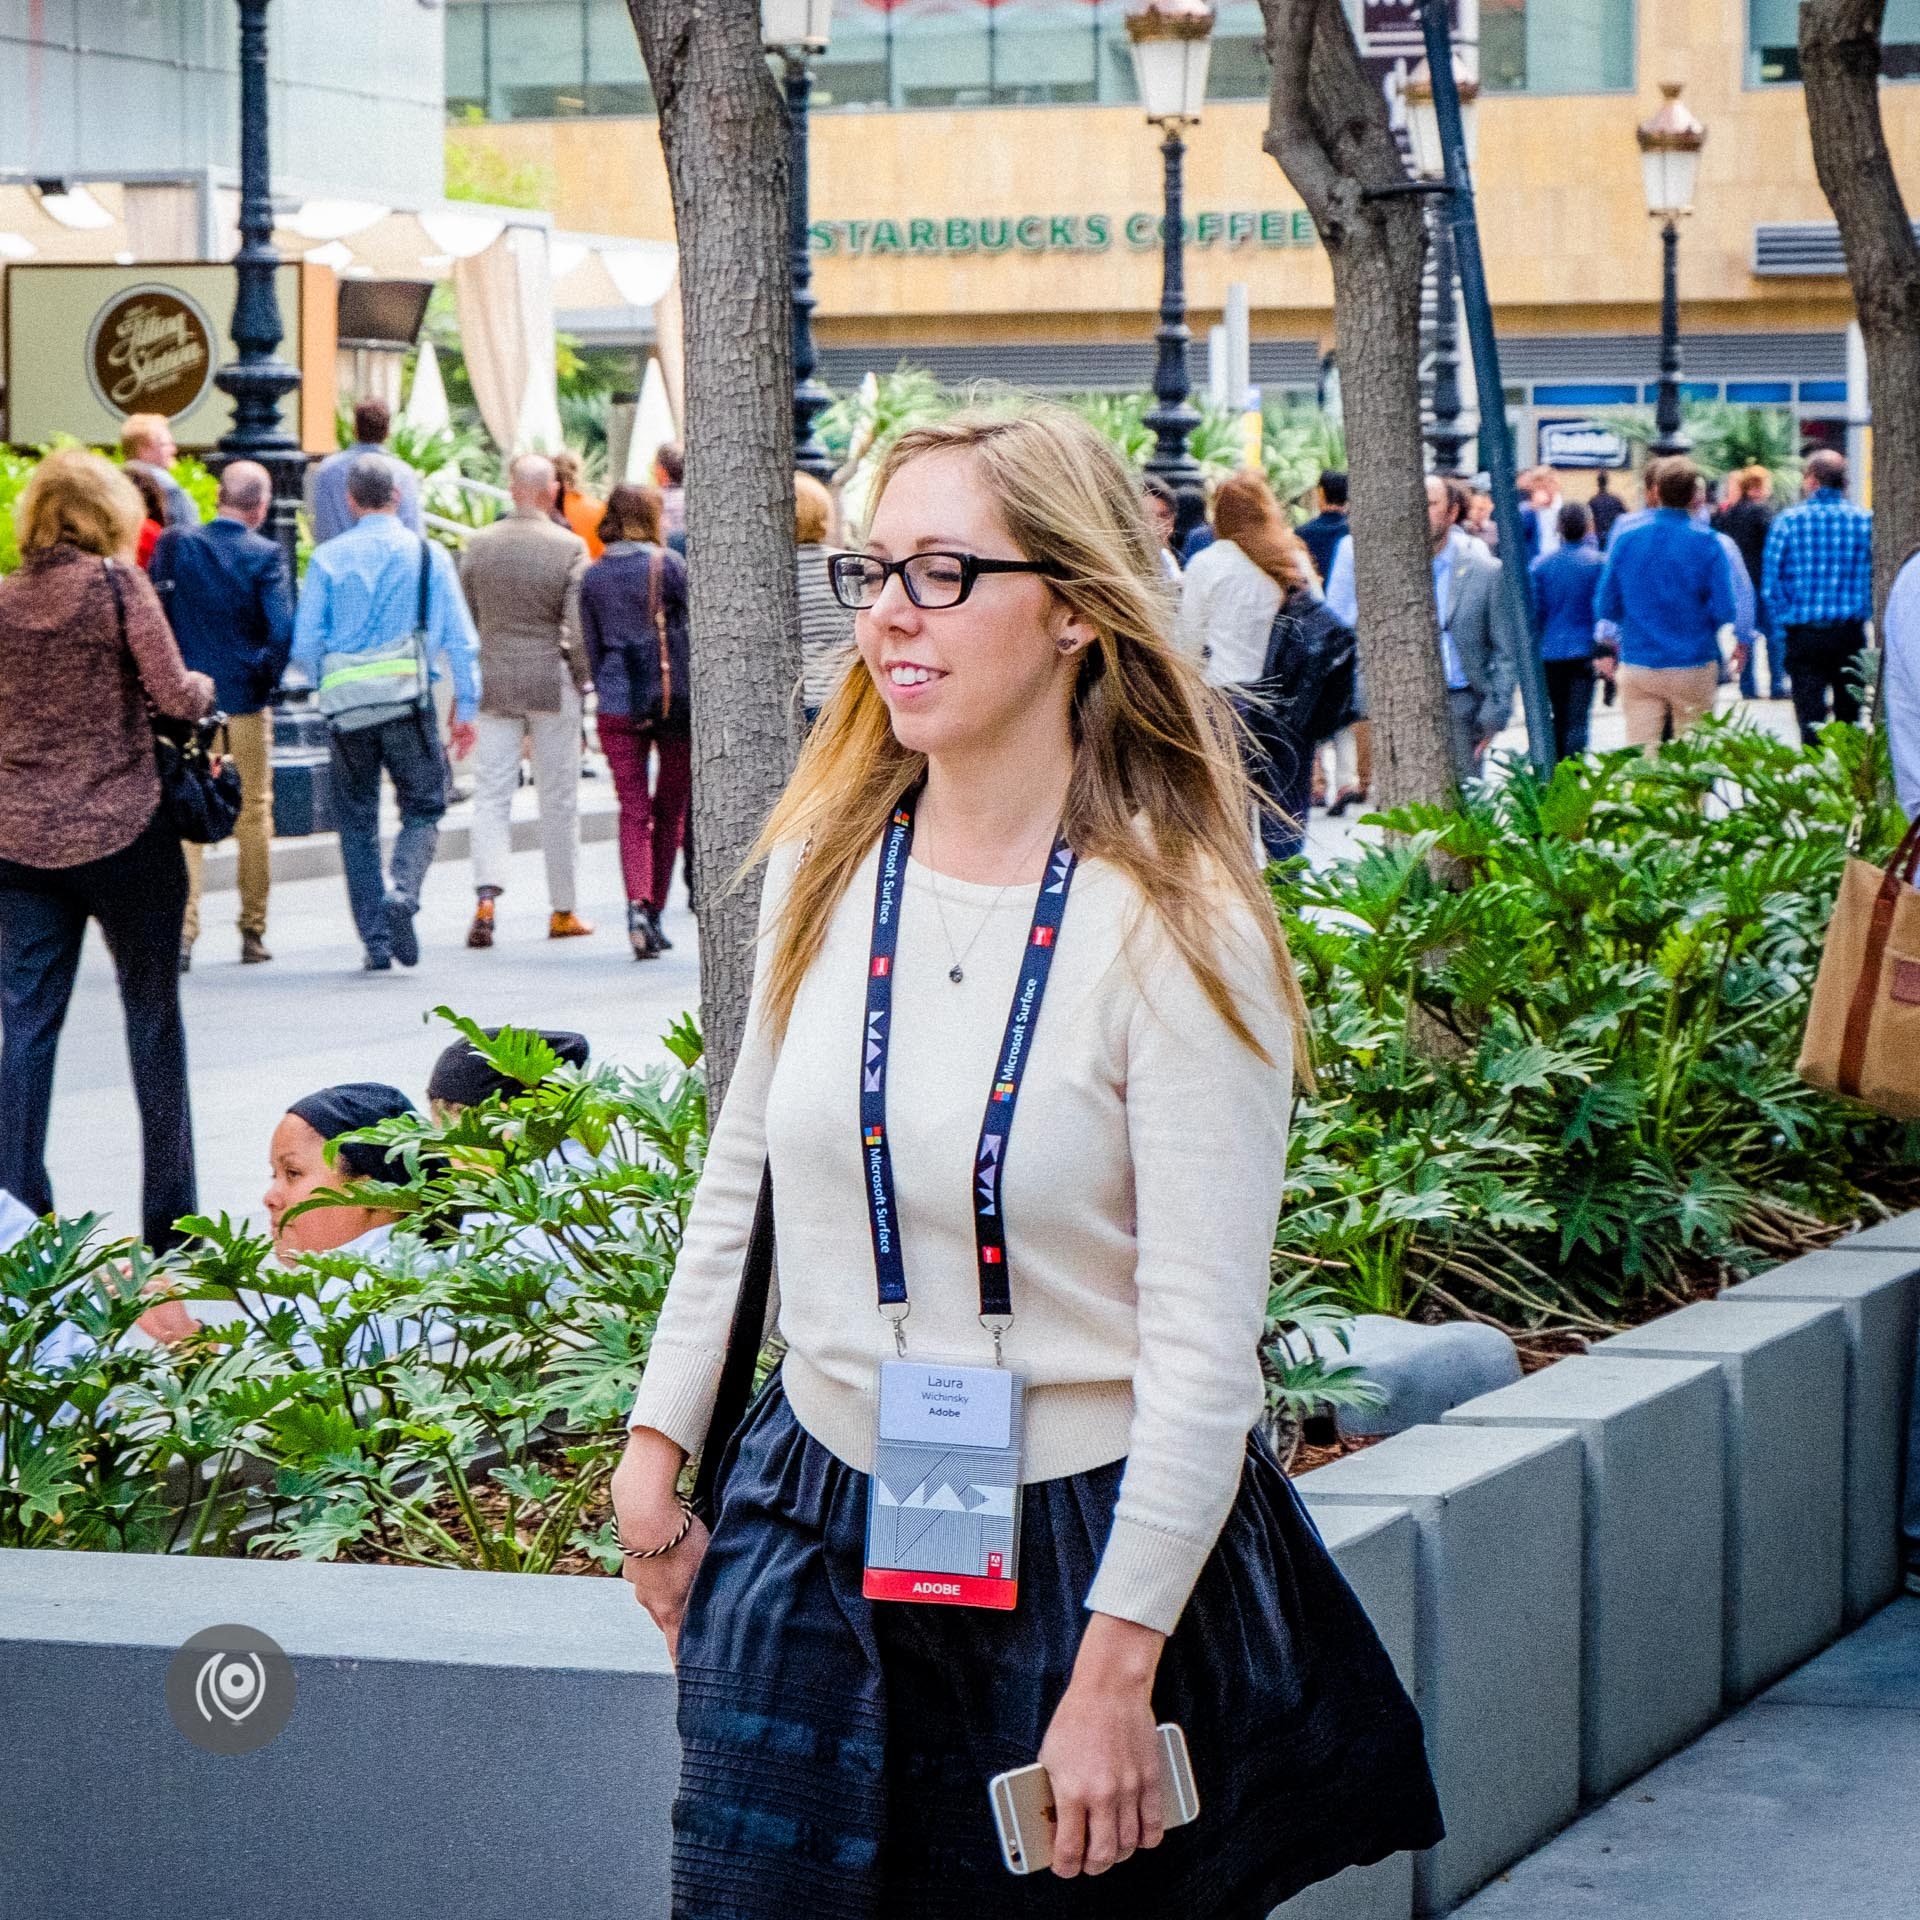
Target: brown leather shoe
column 567, row 926
column 253, row 950
column 480, row 934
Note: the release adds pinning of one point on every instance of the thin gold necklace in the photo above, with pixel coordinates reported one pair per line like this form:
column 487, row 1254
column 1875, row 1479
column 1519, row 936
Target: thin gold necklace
column 958, row 972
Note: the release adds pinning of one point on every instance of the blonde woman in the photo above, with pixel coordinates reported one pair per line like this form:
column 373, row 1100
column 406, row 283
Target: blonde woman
column 1020, row 1055
column 84, row 649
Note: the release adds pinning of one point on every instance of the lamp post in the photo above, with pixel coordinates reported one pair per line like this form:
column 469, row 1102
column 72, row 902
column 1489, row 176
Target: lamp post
column 1171, row 42
column 1670, row 146
column 1496, row 442
column 797, row 30
column 259, row 380
column 1446, row 436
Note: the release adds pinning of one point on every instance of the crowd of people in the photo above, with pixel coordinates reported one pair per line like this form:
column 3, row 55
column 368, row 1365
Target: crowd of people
column 1655, row 607
column 126, row 607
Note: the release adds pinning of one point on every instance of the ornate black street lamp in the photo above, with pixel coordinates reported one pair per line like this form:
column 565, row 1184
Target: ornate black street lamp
column 259, row 380
column 1171, row 43
column 797, row 30
column 1496, row 441
column 1670, row 146
column 1445, row 436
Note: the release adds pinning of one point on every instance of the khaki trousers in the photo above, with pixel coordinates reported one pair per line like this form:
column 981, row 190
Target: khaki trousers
column 553, row 743
column 1650, row 697
column 250, row 746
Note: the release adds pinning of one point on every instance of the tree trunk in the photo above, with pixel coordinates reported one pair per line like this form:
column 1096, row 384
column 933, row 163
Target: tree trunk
column 723, row 126
column 1327, row 129
column 1840, row 72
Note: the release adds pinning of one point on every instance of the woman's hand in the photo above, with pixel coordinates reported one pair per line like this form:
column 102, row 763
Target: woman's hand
column 1102, row 1754
column 647, row 1511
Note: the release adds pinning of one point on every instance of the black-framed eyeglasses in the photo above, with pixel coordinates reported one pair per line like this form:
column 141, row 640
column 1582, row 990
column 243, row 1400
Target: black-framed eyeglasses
column 931, row 579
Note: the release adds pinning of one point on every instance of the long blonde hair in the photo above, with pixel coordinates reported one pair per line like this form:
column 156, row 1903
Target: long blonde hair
column 1154, row 746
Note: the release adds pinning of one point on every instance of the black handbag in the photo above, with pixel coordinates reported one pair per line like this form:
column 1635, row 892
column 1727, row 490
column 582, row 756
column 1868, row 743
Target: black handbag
column 744, row 1340
column 199, row 788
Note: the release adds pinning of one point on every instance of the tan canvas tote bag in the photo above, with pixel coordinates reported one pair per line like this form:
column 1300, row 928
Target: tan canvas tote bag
column 1863, row 1029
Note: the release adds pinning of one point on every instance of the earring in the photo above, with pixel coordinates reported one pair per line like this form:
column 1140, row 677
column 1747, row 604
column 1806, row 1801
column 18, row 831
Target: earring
column 1066, row 645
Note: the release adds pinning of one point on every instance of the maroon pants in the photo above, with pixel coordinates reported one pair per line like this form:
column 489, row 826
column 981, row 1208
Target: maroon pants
column 653, row 814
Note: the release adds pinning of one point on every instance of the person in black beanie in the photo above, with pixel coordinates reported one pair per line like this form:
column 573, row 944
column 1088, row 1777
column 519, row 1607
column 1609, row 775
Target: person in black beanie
column 463, row 1076
column 300, row 1167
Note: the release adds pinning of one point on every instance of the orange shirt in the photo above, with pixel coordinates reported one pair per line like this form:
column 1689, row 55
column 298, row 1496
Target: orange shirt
column 584, row 517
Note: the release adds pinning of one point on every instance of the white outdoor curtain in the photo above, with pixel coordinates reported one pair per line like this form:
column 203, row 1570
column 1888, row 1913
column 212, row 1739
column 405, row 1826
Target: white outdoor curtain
column 504, row 298
column 652, row 425
column 427, row 408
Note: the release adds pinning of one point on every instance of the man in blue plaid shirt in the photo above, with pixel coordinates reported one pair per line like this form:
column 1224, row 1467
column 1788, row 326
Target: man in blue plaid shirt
column 1819, row 588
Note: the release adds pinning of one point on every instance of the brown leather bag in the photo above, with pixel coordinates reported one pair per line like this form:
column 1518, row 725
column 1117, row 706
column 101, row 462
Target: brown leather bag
column 1863, row 1028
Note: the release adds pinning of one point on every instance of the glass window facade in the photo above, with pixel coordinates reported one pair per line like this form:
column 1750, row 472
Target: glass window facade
column 541, row 59
column 1773, row 41
column 1557, row 46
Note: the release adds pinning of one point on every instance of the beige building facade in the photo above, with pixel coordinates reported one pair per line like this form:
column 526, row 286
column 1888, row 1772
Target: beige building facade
column 1019, row 241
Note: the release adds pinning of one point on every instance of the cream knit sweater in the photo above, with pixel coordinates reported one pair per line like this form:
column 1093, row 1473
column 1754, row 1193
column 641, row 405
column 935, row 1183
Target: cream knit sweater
column 1142, row 1183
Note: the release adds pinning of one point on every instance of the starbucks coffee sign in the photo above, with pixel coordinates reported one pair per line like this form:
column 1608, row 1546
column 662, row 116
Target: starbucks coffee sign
column 150, row 350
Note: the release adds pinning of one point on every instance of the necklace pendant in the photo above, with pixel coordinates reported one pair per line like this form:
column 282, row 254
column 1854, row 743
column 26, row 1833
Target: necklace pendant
column 955, row 975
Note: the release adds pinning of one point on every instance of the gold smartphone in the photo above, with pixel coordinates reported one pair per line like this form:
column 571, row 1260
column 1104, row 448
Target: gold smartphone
column 1023, row 1812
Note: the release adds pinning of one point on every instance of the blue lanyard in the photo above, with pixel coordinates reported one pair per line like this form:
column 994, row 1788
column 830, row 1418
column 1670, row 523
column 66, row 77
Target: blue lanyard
column 990, row 1246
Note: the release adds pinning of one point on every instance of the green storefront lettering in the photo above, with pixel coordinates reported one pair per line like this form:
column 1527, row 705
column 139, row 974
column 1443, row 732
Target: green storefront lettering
column 1057, row 233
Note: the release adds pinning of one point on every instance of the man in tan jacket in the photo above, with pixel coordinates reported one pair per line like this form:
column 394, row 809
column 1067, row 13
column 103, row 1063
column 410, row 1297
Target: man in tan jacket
column 522, row 580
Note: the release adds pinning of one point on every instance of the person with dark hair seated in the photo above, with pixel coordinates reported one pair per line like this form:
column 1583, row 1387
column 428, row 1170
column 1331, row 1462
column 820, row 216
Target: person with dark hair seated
column 298, row 1158
column 463, row 1076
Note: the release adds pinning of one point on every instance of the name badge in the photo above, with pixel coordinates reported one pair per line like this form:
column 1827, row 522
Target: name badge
column 943, row 1500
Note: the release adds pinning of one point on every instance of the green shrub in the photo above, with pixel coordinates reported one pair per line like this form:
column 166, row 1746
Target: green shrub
column 1556, row 1033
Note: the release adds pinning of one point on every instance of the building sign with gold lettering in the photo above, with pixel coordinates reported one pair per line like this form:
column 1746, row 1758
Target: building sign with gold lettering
column 1055, row 233
column 150, row 350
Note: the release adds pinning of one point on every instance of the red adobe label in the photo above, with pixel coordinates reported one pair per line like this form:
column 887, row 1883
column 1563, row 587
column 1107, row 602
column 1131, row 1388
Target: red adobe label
column 939, row 1589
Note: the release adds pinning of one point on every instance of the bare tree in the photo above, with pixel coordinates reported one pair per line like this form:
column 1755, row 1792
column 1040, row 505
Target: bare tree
column 1327, row 128
column 1840, row 71
column 723, row 126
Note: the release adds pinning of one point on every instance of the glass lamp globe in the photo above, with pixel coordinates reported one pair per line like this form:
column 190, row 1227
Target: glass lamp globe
column 1171, row 41
column 803, row 25
column 1670, row 146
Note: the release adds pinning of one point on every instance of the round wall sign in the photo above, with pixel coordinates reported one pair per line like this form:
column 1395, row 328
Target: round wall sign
column 150, row 350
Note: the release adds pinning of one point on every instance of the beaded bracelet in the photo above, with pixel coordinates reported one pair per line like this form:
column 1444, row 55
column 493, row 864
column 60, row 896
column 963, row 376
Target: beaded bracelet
column 666, row 1546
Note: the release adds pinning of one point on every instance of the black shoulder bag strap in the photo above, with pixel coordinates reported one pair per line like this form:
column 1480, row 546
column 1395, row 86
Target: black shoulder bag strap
column 744, row 1340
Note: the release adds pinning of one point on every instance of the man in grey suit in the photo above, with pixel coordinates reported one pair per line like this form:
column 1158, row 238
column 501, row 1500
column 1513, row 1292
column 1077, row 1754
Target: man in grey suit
column 1479, row 650
column 522, row 580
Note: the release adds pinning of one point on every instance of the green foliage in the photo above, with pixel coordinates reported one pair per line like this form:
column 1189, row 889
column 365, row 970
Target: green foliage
column 452, row 1397
column 479, row 170
column 1556, row 1033
column 1300, row 443
column 16, row 468
column 1725, row 438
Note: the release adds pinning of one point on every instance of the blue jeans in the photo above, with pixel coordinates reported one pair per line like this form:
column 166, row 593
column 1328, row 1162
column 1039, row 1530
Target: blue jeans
column 1776, row 645
column 409, row 749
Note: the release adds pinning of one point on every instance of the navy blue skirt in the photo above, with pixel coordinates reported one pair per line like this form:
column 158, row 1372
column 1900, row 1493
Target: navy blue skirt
column 835, row 1751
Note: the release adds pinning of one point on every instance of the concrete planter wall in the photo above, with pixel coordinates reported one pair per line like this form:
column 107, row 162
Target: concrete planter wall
column 1572, row 1574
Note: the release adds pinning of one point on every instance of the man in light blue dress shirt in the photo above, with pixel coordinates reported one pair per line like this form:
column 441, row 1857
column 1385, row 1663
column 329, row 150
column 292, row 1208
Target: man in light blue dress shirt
column 362, row 593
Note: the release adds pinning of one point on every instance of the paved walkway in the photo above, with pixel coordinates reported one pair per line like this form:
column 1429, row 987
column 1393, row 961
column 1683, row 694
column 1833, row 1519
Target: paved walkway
column 259, row 1037
column 1805, row 1805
